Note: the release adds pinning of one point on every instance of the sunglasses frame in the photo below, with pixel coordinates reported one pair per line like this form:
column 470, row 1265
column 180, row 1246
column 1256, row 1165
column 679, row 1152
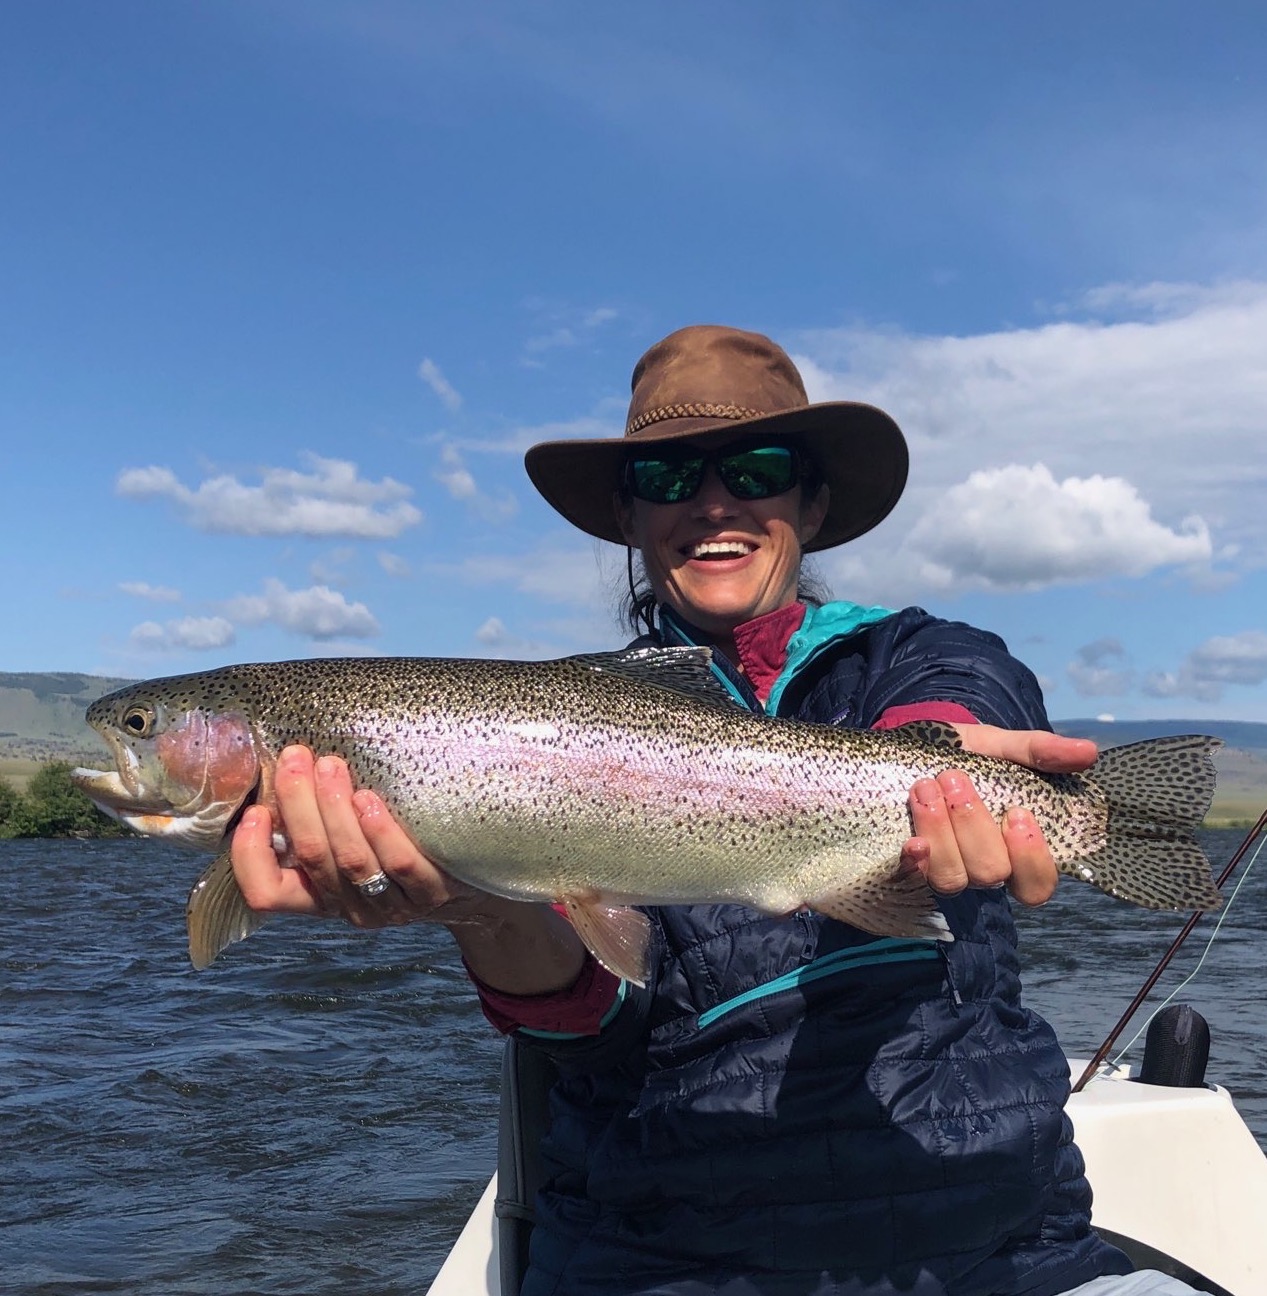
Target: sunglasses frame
column 714, row 459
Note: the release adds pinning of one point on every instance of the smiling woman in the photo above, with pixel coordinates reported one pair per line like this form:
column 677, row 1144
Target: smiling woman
column 842, row 1113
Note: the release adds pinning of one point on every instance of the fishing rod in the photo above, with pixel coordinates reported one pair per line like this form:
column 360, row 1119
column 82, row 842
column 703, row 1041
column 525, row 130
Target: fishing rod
column 1103, row 1051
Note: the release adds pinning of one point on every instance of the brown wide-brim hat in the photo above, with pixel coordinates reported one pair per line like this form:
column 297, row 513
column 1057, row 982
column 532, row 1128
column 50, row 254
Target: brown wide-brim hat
column 711, row 385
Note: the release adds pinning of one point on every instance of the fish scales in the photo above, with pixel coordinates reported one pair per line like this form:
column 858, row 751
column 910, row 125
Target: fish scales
column 628, row 778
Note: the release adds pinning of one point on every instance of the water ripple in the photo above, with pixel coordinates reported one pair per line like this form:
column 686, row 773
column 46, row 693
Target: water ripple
column 316, row 1112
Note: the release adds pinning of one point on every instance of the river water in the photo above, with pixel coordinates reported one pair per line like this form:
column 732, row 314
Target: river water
column 315, row 1113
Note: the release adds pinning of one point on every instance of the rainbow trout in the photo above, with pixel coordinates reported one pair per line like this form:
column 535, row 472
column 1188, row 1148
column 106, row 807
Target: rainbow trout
column 621, row 779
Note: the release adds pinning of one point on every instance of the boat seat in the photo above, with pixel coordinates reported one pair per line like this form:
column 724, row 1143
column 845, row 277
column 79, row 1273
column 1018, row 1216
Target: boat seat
column 527, row 1077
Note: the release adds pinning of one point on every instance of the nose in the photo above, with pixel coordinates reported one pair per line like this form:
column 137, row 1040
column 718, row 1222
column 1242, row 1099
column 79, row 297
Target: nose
column 713, row 500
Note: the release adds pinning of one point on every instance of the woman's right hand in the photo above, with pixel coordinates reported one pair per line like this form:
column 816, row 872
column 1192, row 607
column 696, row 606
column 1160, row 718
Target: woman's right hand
column 339, row 837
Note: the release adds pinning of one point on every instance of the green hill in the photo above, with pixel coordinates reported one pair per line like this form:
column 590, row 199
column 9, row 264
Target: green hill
column 42, row 714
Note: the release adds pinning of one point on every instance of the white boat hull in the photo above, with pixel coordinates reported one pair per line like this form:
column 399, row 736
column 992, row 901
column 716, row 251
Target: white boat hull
column 1179, row 1170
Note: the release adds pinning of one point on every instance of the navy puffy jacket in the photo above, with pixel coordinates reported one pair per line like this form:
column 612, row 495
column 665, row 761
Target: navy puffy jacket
column 793, row 1108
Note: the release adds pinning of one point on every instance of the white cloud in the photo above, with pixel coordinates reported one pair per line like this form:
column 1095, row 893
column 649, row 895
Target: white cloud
column 455, row 477
column 1100, row 669
column 607, row 421
column 394, row 565
column 1018, row 528
column 557, row 574
column 493, row 632
column 318, row 612
column 199, row 634
column 458, row 480
column 1096, row 443
column 1219, row 662
column 1160, row 300
column 154, row 593
column 332, row 568
column 558, row 327
column 330, row 500
column 497, row 640
column 430, row 373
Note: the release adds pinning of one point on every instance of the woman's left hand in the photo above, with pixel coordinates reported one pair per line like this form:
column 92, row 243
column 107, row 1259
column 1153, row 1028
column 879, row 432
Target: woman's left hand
column 959, row 843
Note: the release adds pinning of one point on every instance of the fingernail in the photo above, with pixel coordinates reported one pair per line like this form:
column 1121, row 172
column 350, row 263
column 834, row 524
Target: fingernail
column 367, row 804
column 926, row 792
column 326, row 766
column 954, row 784
column 1021, row 821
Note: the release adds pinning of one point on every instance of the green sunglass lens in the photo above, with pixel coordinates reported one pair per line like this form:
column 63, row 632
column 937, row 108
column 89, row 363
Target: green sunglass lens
column 666, row 481
column 758, row 473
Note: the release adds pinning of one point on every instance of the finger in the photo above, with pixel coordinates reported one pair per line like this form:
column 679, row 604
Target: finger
column 977, row 835
column 427, row 888
column 296, row 792
column 356, row 860
column 915, row 856
column 393, row 847
column 1036, row 748
column 1034, row 874
column 354, row 857
column 265, row 885
column 941, row 862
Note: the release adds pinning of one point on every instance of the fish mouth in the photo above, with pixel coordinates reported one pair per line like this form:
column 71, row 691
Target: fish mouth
column 117, row 795
column 153, row 816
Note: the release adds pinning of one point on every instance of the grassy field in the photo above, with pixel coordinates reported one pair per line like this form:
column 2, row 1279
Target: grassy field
column 17, row 771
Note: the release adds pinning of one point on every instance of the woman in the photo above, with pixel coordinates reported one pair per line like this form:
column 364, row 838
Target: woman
column 789, row 1105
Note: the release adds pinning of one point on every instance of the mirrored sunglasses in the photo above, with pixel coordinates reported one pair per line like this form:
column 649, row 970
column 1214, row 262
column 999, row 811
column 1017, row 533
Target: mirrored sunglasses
column 750, row 472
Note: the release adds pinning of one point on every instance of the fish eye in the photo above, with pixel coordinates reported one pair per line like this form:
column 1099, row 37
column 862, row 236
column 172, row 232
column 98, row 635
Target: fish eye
column 138, row 720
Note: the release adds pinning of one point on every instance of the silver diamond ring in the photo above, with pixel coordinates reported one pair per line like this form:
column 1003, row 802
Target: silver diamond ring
column 374, row 886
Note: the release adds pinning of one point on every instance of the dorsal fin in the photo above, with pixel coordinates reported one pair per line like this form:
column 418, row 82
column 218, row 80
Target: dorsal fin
column 936, row 733
column 687, row 670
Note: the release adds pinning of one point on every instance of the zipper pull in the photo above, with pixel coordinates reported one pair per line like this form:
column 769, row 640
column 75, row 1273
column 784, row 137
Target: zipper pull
column 951, row 988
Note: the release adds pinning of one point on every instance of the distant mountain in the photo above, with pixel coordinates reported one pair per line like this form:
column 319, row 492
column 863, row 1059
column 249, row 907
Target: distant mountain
column 1244, row 734
column 1241, row 762
column 42, row 713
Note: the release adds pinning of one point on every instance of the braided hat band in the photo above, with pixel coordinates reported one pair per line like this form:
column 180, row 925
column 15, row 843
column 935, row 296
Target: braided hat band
column 690, row 409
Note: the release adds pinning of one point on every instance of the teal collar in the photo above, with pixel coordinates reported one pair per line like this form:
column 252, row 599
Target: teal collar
column 824, row 624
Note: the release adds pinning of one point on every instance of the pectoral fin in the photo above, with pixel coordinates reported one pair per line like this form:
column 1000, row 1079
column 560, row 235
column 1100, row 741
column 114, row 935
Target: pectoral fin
column 616, row 936
column 886, row 902
column 216, row 914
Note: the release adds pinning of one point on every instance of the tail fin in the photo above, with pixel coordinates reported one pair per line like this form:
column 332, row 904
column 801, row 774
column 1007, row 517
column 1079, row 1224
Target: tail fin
column 1158, row 792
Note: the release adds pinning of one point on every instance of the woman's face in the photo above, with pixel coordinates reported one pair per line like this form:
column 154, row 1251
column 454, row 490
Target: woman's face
column 719, row 561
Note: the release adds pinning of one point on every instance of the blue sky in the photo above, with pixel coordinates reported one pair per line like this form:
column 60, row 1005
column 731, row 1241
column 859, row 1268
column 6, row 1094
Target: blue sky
column 286, row 288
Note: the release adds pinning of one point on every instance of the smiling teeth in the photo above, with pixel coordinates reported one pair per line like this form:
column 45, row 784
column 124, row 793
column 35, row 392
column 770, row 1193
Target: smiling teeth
column 723, row 548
